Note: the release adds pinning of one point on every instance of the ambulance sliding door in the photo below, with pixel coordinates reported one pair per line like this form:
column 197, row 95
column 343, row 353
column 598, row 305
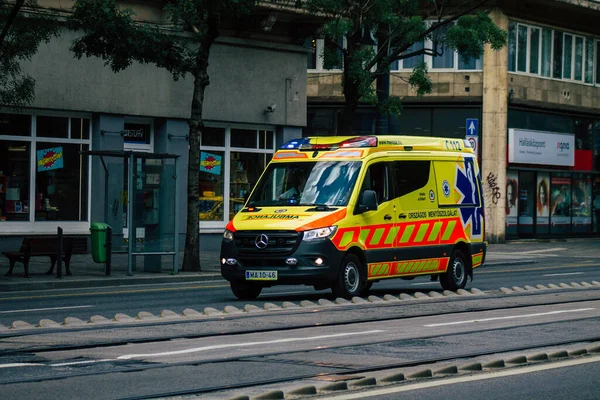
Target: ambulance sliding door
column 377, row 227
column 418, row 221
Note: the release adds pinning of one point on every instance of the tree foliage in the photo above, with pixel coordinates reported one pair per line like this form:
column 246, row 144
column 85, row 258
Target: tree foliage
column 111, row 32
column 367, row 36
column 23, row 27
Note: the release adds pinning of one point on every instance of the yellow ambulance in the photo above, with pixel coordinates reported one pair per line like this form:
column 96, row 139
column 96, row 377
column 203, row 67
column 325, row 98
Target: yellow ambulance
column 345, row 212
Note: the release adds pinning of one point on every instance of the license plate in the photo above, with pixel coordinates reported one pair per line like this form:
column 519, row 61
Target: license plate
column 261, row 275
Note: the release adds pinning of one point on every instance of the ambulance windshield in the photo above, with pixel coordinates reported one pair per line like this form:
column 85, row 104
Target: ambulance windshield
column 328, row 183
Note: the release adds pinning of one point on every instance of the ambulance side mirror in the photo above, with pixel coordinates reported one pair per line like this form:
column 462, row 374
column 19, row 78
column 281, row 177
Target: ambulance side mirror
column 368, row 201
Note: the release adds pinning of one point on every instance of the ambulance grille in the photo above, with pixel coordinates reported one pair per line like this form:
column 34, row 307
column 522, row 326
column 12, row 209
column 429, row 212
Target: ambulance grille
column 279, row 242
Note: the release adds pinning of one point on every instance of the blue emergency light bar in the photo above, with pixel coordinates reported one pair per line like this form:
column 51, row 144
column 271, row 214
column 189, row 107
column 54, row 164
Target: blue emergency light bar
column 309, row 143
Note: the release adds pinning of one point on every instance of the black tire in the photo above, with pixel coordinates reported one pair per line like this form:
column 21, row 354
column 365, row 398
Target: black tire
column 352, row 278
column 369, row 285
column 455, row 276
column 245, row 291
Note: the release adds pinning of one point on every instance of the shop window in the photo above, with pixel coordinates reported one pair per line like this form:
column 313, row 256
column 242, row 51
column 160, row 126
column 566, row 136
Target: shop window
column 320, row 122
column 212, row 137
column 245, row 169
column 265, row 139
column 581, row 203
column 243, row 138
column 15, row 125
column 55, row 127
column 542, row 203
column 413, row 122
column 211, row 185
column 14, row 180
column 597, row 146
column 560, row 199
column 80, row 128
column 61, row 182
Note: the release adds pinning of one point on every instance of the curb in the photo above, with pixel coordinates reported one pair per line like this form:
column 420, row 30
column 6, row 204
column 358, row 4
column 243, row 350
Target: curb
column 83, row 283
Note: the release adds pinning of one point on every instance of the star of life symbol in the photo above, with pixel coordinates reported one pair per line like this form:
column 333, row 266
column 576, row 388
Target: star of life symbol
column 446, row 188
column 466, row 185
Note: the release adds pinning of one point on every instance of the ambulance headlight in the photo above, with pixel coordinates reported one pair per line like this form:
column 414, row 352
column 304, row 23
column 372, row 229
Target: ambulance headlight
column 319, row 233
column 228, row 235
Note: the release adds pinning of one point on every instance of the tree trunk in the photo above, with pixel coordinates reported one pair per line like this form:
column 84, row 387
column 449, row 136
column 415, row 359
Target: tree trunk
column 191, row 257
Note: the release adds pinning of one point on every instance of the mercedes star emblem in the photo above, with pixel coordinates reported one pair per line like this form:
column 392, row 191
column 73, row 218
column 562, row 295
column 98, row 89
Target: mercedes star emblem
column 261, row 241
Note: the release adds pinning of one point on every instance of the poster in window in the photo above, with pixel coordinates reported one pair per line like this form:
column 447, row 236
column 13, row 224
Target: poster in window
column 560, row 198
column 582, row 200
column 512, row 187
column 49, row 159
column 542, row 198
column 210, row 163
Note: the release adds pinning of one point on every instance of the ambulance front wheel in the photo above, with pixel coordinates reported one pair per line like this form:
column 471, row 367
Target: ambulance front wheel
column 245, row 291
column 455, row 276
column 351, row 279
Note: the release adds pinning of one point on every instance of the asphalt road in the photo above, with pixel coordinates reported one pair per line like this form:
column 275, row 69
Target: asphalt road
column 56, row 305
column 156, row 367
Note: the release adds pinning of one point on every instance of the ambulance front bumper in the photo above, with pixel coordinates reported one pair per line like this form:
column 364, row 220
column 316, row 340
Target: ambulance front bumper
column 310, row 263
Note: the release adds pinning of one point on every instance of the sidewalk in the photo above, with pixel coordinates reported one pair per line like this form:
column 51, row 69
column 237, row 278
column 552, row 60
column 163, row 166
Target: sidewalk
column 88, row 274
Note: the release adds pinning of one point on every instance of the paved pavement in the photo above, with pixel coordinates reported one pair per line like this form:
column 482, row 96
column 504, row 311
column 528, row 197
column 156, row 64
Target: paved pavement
column 86, row 273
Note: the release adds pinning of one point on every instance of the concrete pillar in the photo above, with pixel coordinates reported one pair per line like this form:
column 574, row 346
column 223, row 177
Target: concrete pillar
column 494, row 124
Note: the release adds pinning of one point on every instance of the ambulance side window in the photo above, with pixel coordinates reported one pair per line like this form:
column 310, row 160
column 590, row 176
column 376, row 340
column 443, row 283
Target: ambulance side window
column 411, row 176
column 377, row 179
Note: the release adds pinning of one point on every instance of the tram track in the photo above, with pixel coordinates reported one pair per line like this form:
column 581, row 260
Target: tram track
column 329, row 317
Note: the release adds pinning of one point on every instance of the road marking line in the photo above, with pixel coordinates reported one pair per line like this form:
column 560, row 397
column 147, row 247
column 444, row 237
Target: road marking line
column 509, row 317
column 542, row 251
column 224, row 346
column 43, row 309
column 504, row 271
column 566, row 273
column 470, row 378
column 16, row 365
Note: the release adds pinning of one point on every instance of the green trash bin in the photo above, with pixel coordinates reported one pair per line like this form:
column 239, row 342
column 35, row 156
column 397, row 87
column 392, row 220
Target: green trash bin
column 98, row 238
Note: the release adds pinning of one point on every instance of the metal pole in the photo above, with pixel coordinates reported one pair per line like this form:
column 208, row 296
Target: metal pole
column 108, row 246
column 176, row 238
column 130, row 190
column 59, row 237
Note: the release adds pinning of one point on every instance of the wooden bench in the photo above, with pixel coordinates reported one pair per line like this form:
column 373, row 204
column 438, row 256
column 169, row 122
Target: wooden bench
column 40, row 246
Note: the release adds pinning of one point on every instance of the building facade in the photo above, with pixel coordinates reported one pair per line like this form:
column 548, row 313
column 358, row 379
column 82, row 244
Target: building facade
column 256, row 99
column 532, row 109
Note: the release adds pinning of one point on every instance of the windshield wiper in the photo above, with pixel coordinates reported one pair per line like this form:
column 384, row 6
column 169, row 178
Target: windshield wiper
column 318, row 207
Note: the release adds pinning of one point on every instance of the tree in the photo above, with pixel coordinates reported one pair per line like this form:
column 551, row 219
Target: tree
column 23, row 26
column 394, row 26
column 111, row 33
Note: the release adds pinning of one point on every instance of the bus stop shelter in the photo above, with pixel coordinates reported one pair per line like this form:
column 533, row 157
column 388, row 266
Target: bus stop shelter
column 141, row 206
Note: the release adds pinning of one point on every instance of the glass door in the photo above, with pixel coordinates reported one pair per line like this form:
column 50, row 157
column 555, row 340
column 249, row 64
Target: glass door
column 526, row 200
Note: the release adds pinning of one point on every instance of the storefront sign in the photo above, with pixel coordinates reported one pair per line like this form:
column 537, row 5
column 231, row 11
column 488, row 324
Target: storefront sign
column 136, row 133
column 210, row 163
column 49, row 159
column 542, row 148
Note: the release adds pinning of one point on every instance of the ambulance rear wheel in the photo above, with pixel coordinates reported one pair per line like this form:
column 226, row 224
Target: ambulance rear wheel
column 455, row 276
column 245, row 291
column 351, row 279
